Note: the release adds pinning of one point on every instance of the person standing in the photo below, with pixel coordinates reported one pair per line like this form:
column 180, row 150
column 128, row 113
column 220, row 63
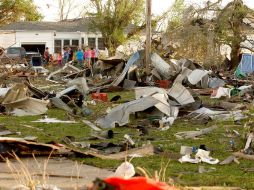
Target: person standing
column 88, row 57
column 46, row 55
column 59, row 59
column 70, row 52
column 65, row 56
column 80, row 57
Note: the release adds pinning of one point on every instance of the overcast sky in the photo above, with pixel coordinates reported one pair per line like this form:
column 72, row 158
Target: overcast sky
column 49, row 8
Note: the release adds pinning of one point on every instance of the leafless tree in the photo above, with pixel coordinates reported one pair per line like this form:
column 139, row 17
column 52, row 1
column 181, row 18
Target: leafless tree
column 68, row 7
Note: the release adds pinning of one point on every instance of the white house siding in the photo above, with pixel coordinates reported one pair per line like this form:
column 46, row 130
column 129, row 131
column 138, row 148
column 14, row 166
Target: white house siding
column 35, row 37
column 7, row 39
column 17, row 38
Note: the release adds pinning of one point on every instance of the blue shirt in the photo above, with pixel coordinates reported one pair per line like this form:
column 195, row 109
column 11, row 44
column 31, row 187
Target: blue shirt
column 80, row 55
column 66, row 55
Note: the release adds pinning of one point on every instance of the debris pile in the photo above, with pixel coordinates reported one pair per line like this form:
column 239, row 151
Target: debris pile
column 172, row 90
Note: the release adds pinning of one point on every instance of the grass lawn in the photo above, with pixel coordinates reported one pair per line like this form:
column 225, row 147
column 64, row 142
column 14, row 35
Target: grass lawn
column 182, row 174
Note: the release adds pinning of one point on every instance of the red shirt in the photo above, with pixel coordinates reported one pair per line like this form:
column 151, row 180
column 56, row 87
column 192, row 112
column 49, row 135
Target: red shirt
column 46, row 54
column 92, row 53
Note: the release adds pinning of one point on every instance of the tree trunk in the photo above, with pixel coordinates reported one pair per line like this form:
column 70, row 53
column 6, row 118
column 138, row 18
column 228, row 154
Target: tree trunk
column 235, row 58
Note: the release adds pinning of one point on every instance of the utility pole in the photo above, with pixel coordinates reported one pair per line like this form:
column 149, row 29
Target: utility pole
column 148, row 35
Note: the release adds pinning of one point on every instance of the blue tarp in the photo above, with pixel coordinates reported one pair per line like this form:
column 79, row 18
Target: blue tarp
column 247, row 64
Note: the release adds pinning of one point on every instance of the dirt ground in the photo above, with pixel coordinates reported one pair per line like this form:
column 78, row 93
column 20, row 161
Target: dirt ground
column 63, row 173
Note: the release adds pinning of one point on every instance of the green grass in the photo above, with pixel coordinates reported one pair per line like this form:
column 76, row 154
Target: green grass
column 182, row 174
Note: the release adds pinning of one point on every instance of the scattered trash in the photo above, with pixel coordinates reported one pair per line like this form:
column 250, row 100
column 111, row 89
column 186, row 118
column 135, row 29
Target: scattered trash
column 194, row 134
column 200, row 156
column 229, row 160
column 129, row 139
column 171, row 91
column 52, row 120
column 100, row 96
column 24, row 147
column 125, row 170
column 90, row 124
column 204, row 157
column 248, row 143
column 187, row 158
column 201, row 170
column 19, row 104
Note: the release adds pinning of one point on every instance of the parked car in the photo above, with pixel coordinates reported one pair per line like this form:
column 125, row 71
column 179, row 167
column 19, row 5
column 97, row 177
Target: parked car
column 13, row 52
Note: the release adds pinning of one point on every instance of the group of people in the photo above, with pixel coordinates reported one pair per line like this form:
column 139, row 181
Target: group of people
column 85, row 57
column 66, row 57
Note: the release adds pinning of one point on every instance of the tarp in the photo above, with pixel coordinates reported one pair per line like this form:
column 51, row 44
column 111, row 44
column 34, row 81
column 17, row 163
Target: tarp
column 247, row 63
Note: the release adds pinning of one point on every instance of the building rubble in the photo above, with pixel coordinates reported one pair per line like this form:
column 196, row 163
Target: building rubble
column 171, row 91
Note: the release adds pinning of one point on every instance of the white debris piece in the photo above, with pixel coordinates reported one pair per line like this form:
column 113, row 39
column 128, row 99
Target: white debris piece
column 125, row 170
column 52, row 120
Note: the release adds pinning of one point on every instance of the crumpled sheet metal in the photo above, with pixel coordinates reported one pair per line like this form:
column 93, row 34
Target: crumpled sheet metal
column 81, row 85
column 120, row 114
column 194, row 73
column 133, row 59
column 181, row 76
column 27, row 106
column 146, row 98
column 180, row 94
column 160, row 94
column 19, row 104
column 57, row 102
column 196, row 76
column 66, row 91
column 165, row 107
column 148, row 91
column 18, row 91
column 163, row 68
column 217, row 115
column 67, row 67
column 222, row 92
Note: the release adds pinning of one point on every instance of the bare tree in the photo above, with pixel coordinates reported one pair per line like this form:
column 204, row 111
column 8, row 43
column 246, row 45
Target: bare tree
column 68, row 7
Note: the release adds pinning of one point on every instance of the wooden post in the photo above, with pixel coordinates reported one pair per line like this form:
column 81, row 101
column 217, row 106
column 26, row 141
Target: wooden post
column 148, row 35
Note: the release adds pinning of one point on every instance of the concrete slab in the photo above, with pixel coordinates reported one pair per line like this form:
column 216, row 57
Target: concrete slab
column 63, row 173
